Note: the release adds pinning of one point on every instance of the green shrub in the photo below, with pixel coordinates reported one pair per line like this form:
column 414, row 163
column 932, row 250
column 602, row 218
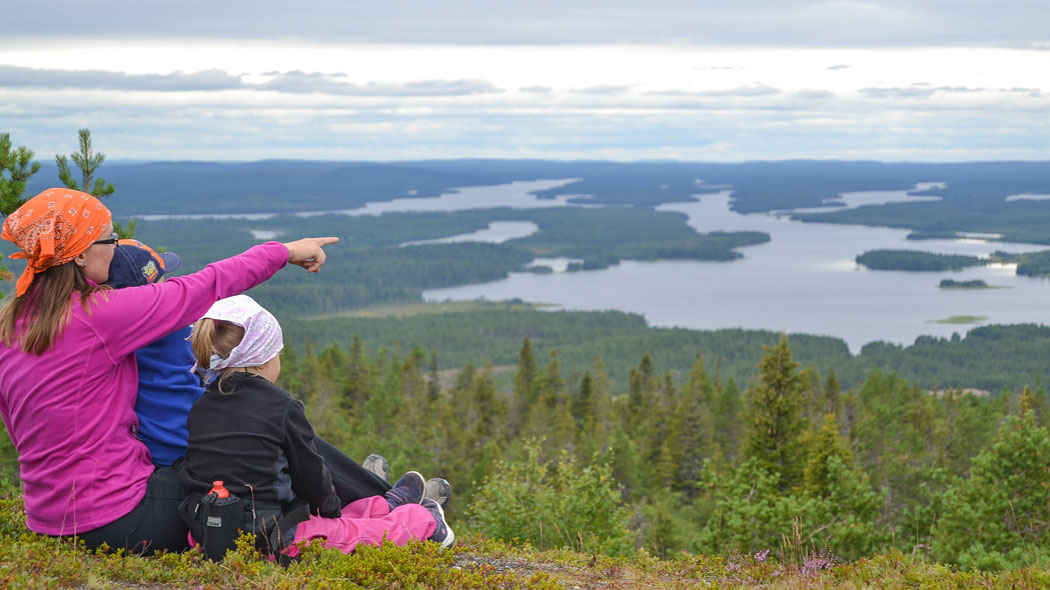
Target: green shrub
column 551, row 504
column 999, row 517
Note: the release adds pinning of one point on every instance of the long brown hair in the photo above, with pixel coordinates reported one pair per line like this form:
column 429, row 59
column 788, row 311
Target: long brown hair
column 215, row 337
column 45, row 308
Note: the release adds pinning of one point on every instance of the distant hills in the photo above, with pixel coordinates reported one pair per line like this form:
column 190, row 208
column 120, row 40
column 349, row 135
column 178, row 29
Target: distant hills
column 294, row 185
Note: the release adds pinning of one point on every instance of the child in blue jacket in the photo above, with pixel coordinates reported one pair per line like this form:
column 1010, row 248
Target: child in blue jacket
column 168, row 388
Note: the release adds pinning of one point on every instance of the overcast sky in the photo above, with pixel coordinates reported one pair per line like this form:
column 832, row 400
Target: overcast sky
column 723, row 80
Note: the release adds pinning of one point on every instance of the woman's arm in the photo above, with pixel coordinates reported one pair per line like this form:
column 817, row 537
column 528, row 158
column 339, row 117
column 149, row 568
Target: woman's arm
column 127, row 319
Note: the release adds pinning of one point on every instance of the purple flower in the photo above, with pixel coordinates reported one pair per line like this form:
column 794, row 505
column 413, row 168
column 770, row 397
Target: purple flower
column 816, row 562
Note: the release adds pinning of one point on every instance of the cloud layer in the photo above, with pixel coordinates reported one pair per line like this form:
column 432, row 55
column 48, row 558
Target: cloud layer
column 846, row 23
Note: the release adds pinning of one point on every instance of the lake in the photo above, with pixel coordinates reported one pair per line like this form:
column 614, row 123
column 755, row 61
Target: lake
column 804, row 280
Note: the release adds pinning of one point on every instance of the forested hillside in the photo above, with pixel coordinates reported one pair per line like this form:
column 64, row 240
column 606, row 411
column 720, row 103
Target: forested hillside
column 702, row 464
column 598, row 432
column 695, row 462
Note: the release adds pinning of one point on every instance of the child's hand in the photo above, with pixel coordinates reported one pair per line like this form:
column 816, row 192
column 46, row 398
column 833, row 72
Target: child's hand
column 308, row 252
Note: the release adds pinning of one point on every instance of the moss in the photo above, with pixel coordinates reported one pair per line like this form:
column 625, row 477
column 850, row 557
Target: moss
column 35, row 562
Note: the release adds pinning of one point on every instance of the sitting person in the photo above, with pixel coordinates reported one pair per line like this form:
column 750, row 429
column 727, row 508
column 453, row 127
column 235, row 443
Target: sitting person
column 68, row 380
column 168, row 387
column 254, row 437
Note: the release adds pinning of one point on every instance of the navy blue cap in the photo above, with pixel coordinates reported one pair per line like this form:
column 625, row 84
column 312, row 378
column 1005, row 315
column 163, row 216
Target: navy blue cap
column 135, row 264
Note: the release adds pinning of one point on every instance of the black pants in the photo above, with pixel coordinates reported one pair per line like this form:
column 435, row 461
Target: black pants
column 351, row 481
column 151, row 526
column 154, row 524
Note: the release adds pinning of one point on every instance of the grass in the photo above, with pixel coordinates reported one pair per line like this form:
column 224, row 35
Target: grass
column 413, row 309
column 33, row 561
column 960, row 319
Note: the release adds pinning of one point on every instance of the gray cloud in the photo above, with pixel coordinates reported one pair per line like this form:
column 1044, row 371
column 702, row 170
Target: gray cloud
column 1030, row 92
column 813, row 94
column 838, row 67
column 14, row 76
column 295, row 82
column 536, row 89
column 753, row 89
column 923, row 90
column 740, row 23
column 909, row 92
column 316, row 83
column 603, row 89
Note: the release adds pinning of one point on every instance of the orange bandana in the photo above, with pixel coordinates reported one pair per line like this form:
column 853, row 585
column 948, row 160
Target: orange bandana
column 54, row 227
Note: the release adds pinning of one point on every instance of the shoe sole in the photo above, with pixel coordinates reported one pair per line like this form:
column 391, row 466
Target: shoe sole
column 438, row 490
column 450, row 538
column 422, row 479
column 378, row 465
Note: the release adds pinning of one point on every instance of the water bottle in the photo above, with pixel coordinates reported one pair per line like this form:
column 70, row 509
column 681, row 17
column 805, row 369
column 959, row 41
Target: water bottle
column 224, row 521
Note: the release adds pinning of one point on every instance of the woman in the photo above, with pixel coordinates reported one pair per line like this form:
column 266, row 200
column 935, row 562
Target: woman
column 254, row 436
column 167, row 386
column 68, row 377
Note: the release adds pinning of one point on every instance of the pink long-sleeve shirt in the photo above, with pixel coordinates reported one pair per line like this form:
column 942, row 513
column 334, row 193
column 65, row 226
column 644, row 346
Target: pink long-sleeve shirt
column 70, row 411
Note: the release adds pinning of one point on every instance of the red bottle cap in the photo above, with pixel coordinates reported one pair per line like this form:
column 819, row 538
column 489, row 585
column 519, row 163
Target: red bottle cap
column 218, row 489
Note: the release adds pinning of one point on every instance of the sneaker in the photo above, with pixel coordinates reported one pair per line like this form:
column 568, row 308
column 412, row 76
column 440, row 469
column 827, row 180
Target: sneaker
column 438, row 490
column 443, row 533
column 407, row 490
column 377, row 464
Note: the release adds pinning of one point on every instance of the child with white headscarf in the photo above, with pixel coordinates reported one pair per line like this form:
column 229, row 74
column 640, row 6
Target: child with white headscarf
column 254, row 437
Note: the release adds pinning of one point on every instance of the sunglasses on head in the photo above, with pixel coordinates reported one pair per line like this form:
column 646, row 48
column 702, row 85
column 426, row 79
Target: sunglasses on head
column 112, row 239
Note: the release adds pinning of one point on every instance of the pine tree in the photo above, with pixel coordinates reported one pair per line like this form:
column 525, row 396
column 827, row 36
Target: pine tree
column 774, row 416
column 16, row 166
column 998, row 517
column 88, row 162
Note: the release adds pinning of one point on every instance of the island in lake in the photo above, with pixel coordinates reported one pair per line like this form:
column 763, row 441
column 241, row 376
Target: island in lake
column 974, row 284
column 912, row 260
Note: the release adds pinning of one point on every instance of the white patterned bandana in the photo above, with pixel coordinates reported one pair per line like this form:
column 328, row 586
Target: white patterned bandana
column 262, row 340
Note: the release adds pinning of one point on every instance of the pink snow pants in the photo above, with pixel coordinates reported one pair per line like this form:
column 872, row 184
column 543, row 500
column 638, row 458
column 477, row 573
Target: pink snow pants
column 367, row 521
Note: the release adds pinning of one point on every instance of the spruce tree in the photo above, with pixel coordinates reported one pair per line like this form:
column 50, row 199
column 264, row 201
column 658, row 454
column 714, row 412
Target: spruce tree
column 525, row 385
column 356, row 384
column 583, row 405
column 729, row 419
column 433, row 379
column 695, row 436
column 602, row 407
column 774, row 416
column 832, row 391
column 640, row 388
column 825, row 443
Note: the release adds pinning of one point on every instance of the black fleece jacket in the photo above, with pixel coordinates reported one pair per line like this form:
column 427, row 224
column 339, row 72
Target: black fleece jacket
column 257, row 440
